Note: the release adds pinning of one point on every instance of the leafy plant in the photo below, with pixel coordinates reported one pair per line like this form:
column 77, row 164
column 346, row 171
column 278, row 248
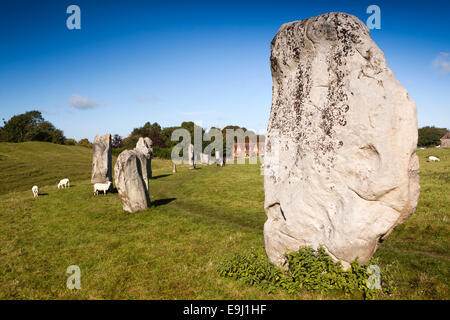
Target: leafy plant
column 307, row 269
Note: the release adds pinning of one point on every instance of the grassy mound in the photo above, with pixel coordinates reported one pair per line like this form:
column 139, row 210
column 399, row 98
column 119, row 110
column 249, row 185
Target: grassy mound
column 23, row 165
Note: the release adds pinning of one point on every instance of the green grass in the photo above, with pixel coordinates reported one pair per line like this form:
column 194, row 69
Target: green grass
column 172, row 250
column 23, row 165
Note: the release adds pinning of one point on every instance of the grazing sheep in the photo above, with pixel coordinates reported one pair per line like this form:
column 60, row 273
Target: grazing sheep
column 35, row 190
column 64, row 183
column 433, row 159
column 102, row 187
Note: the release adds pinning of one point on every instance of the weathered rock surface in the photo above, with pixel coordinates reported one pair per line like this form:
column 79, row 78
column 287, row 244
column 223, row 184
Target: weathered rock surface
column 203, row 158
column 131, row 182
column 206, row 159
column 340, row 164
column 191, row 157
column 101, row 159
column 144, row 146
column 219, row 158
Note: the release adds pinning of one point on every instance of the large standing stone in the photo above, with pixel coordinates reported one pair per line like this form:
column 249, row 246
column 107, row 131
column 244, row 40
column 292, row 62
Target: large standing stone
column 131, row 181
column 101, row 159
column 204, row 158
column 219, row 158
column 340, row 169
column 144, row 146
column 191, row 156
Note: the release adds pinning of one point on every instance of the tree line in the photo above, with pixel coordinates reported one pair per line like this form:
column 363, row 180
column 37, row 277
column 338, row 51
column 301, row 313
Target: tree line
column 31, row 126
column 161, row 137
column 430, row 136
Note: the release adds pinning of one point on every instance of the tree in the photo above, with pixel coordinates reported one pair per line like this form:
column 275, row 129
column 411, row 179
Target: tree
column 116, row 141
column 84, row 143
column 16, row 128
column 43, row 131
column 70, row 142
column 191, row 126
column 155, row 136
column 58, row 136
column 430, row 136
column 145, row 130
column 166, row 136
column 30, row 126
column 2, row 134
column 151, row 130
column 130, row 142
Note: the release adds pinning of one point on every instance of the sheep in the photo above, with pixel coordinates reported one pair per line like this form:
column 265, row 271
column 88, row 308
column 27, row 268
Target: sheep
column 102, row 187
column 64, row 183
column 35, row 191
column 433, row 159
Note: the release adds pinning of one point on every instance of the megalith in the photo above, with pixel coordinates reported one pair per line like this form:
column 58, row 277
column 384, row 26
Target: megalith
column 191, row 156
column 340, row 165
column 219, row 158
column 101, row 159
column 144, row 146
column 130, row 177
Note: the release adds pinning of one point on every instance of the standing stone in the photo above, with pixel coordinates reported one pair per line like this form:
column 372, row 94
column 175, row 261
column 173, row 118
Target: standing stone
column 144, row 146
column 191, row 156
column 340, row 169
column 101, row 159
column 211, row 160
column 204, row 159
column 219, row 159
column 130, row 179
column 174, row 169
column 197, row 157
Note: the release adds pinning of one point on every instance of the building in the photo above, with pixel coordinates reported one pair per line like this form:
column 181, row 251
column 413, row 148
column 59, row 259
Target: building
column 248, row 149
column 445, row 140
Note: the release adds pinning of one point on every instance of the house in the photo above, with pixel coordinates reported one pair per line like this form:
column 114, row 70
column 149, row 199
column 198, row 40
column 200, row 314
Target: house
column 247, row 149
column 445, row 140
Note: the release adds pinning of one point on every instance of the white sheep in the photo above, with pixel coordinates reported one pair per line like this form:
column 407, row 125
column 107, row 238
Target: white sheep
column 35, row 191
column 102, row 187
column 433, row 159
column 64, row 183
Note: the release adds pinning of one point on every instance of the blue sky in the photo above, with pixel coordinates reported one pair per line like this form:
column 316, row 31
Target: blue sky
column 207, row 61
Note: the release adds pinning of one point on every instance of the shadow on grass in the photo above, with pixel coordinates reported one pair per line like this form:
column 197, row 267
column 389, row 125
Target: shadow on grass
column 161, row 202
column 160, row 176
column 43, row 194
column 71, row 186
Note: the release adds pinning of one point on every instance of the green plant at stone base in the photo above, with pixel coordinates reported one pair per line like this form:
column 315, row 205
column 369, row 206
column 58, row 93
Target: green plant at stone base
column 308, row 269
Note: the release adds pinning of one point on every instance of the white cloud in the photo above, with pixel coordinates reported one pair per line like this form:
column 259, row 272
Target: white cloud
column 82, row 103
column 442, row 62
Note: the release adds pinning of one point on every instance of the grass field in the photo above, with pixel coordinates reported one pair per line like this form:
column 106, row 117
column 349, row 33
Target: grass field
column 172, row 250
